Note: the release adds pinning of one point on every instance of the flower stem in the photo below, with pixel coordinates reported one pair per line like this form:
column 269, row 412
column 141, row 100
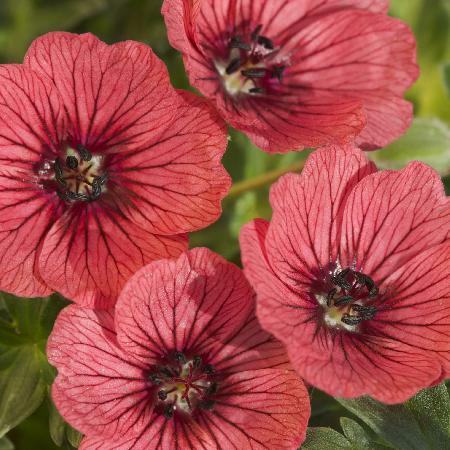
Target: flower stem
column 262, row 180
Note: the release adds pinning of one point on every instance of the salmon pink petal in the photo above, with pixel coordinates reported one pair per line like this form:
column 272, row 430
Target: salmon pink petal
column 416, row 305
column 348, row 365
column 99, row 388
column 186, row 296
column 177, row 183
column 260, row 409
column 118, row 95
column 32, row 120
column 259, row 350
column 391, row 216
column 26, row 216
column 307, row 212
column 89, row 253
column 320, row 6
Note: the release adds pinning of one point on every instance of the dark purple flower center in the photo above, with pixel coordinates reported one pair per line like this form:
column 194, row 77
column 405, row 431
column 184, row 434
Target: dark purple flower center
column 79, row 175
column 348, row 299
column 184, row 385
column 253, row 66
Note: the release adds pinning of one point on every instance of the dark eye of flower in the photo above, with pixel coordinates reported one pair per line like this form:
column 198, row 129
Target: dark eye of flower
column 349, row 300
column 253, row 65
column 79, row 176
column 184, row 385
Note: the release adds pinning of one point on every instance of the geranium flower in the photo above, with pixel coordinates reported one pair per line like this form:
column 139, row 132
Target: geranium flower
column 103, row 167
column 352, row 275
column 183, row 365
column 299, row 73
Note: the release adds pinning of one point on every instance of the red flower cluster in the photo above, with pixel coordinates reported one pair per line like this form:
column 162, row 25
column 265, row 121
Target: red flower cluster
column 352, row 275
column 181, row 364
column 299, row 73
column 103, row 167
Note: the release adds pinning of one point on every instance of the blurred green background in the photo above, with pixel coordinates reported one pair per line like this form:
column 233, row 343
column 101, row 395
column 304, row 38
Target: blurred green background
column 252, row 170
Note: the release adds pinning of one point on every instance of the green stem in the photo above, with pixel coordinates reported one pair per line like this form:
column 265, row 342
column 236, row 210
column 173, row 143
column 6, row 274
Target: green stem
column 262, row 180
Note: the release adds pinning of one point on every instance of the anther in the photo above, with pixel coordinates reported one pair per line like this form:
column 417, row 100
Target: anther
column 254, row 73
column 207, row 404
column 338, row 281
column 236, row 42
column 96, row 189
column 71, row 162
column 168, row 412
column 278, row 72
column 197, row 361
column 345, row 300
column 179, row 357
column 351, row 320
column 330, row 296
column 265, row 42
column 208, row 369
column 162, row 395
column 212, row 389
column 153, row 377
column 76, row 196
column 256, row 90
column 59, row 174
column 233, row 66
column 255, row 32
column 85, row 154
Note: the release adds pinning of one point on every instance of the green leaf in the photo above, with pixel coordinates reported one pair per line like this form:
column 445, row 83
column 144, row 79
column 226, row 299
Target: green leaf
column 25, row 373
column 6, row 444
column 355, row 433
column 446, row 71
column 325, row 439
column 61, row 432
column 420, row 424
column 427, row 140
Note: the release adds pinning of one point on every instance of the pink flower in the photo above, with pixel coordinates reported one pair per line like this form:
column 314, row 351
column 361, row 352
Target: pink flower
column 299, row 73
column 103, row 167
column 184, row 364
column 352, row 275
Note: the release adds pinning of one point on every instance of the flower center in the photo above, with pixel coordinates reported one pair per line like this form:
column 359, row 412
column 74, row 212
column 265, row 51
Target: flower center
column 251, row 67
column 349, row 300
column 184, row 385
column 79, row 175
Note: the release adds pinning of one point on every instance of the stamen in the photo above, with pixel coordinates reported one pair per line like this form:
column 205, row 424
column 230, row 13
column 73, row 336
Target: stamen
column 256, row 90
column 208, row 369
column 236, row 42
column 351, row 320
column 85, row 154
column 71, row 162
column 153, row 377
column 278, row 72
column 254, row 73
column 266, row 42
column 207, row 404
column 330, row 296
column 255, row 32
column 168, row 412
column 59, row 174
column 180, row 357
column 234, row 66
column 345, row 300
column 162, row 395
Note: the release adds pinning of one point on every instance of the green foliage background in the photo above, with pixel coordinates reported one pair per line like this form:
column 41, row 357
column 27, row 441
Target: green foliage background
column 364, row 425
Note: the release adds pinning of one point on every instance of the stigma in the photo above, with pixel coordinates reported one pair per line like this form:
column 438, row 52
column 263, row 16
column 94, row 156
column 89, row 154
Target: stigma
column 79, row 175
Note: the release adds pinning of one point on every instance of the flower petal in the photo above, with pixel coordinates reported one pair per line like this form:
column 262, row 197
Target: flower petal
column 349, row 365
column 174, row 305
column 260, row 409
column 307, row 212
column 100, row 389
column 32, row 119
column 116, row 96
column 391, row 216
column 358, row 55
column 416, row 306
column 26, row 215
column 177, row 183
column 92, row 250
